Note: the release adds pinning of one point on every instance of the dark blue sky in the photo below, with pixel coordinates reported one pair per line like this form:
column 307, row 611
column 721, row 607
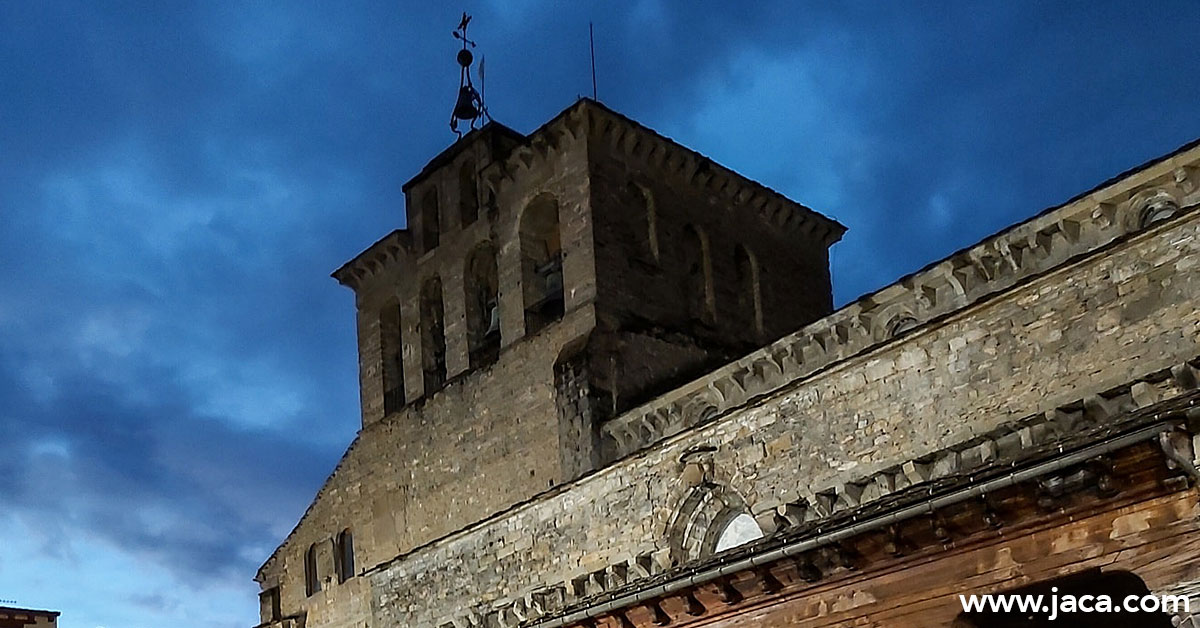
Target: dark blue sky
column 177, row 180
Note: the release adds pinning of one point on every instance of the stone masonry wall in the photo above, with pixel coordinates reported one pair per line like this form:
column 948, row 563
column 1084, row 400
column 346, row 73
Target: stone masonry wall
column 487, row 440
column 1081, row 321
column 970, row 276
column 645, row 206
column 457, row 504
column 792, row 265
column 483, row 443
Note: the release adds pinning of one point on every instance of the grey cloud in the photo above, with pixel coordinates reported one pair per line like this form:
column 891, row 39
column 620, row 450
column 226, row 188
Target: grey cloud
column 177, row 371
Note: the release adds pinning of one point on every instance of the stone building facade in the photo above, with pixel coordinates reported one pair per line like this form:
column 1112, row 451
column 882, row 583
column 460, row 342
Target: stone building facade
column 12, row 617
column 603, row 384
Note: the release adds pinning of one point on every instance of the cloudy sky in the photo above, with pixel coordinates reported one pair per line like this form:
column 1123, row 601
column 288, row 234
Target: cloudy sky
column 177, row 180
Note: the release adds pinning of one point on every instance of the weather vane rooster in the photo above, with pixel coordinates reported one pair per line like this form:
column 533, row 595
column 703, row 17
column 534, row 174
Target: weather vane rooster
column 469, row 106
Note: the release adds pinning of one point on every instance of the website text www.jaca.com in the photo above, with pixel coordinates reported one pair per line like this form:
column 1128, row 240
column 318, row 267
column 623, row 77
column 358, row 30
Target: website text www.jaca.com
column 1053, row 605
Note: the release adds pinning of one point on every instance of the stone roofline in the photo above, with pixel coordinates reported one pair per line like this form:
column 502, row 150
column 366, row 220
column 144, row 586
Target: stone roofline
column 453, row 150
column 641, row 143
column 387, row 250
column 25, row 616
column 638, row 142
column 1169, row 398
column 1086, row 223
column 1130, row 186
column 259, row 575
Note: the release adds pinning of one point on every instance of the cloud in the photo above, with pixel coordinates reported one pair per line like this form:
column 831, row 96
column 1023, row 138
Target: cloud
column 153, row 478
column 177, row 371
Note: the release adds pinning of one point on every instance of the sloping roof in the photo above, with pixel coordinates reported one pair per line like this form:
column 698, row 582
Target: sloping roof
column 492, row 128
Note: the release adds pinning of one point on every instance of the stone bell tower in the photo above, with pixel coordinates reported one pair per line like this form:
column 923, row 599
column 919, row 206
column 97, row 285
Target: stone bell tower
column 545, row 283
column 542, row 286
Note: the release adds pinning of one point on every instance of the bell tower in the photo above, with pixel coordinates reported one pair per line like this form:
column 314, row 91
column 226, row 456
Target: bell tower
column 544, row 284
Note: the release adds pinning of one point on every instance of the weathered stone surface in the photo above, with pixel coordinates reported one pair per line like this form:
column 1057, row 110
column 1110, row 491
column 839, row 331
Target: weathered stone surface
column 525, row 485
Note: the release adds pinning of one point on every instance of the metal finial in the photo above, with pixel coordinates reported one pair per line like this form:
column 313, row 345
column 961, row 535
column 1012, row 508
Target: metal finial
column 469, row 105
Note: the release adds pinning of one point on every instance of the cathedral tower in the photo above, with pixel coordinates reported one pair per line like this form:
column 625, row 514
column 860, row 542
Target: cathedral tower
column 543, row 285
column 546, row 283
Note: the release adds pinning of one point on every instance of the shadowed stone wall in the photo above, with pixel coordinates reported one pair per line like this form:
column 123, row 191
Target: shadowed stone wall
column 453, row 435
column 1076, row 333
column 521, row 486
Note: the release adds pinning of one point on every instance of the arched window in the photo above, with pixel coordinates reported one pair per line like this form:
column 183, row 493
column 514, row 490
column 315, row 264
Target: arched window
column 749, row 290
column 312, row 580
column 433, row 337
column 392, row 352
column 468, row 193
column 697, row 269
column 901, row 325
column 344, row 555
column 651, row 223
column 541, row 264
column 710, row 517
column 431, row 222
column 739, row 531
column 483, row 308
column 268, row 606
column 1156, row 207
column 643, row 203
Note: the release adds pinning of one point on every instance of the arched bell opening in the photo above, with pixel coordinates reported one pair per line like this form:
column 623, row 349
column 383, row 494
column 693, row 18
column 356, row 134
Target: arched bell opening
column 541, row 264
column 433, row 336
column 483, row 306
column 392, row 357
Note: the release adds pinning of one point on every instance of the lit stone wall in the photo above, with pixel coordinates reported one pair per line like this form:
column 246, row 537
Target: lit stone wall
column 458, row 504
column 1074, row 303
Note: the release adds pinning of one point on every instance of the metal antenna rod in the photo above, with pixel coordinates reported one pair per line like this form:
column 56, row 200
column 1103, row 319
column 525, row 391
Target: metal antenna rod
column 592, row 44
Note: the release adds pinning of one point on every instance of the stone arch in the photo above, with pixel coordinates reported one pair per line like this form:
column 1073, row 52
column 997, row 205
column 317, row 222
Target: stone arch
column 643, row 200
column 703, row 515
column 901, row 325
column 951, row 286
column 749, row 289
column 892, row 320
column 697, row 274
column 343, row 555
column 312, row 577
column 482, row 284
column 391, row 350
column 738, row 531
column 700, row 409
column 433, row 335
column 468, row 193
column 1151, row 206
column 541, row 263
column 431, row 220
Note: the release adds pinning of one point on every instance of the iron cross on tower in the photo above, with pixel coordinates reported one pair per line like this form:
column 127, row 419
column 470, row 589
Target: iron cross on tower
column 469, row 106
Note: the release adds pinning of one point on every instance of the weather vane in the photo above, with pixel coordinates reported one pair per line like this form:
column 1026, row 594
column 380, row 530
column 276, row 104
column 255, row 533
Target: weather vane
column 469, row 106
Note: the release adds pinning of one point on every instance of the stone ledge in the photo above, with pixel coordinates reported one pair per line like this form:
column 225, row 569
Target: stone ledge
column 641, row 144
column 293, row 621
column 1036, row 433
column 391, row 248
